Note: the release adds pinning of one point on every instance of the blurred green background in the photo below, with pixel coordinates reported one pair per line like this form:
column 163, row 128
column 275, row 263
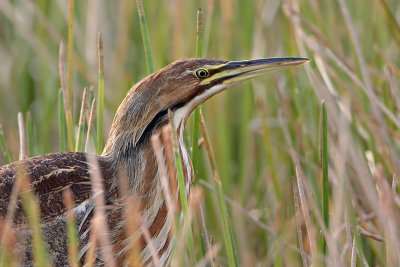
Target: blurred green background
column 260, row 133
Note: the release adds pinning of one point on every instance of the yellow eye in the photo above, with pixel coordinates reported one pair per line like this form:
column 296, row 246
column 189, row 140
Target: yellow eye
column 202, row 73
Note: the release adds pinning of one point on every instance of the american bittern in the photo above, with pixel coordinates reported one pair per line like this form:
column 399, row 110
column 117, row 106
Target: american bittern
column 179, row 87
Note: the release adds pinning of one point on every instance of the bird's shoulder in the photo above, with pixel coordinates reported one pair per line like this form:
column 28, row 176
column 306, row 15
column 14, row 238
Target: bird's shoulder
column 49, row 176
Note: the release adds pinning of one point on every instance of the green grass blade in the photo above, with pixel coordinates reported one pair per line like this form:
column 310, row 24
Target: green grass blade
column 69, row 104
column 4, row 147
column 324, row 169
column 100, row 102
column 393, row 25
column 196, row 114
column 145, row 37
column 62, row 123
column 70, row 59
column 182, row 186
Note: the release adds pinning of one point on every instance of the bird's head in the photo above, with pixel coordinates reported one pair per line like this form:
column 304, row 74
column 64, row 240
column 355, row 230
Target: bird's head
column 190, row 82
column 181, row 87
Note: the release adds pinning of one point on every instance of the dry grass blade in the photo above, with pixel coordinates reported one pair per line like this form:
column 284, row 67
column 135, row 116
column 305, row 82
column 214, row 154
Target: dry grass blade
column 132, row 221
column 306, row 215
column 90, row 125
column 90, row 256
column 353, row 262
column 23, row 146
column 299, row 222
column 365, row 233
column 394, row 183
column 209, row 150
column 98, row 194
column 132, row 226
column 147, row 237
column 79, row 146
column 163, row 175
column 204, row 234
column 394, row 89
column 169, row 159
column 308, row 204
column 389, row 219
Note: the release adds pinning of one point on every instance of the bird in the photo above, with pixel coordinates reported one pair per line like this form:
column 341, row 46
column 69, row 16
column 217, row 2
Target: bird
column 172, row 92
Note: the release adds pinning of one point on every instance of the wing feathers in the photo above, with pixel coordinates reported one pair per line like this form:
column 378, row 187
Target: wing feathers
column 50, row 175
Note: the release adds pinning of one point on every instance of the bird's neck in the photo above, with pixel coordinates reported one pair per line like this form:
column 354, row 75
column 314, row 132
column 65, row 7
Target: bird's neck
column 130, row 153
column 129, row 149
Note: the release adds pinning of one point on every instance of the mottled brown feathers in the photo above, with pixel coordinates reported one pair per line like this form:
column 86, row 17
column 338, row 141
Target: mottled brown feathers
column 49, row 176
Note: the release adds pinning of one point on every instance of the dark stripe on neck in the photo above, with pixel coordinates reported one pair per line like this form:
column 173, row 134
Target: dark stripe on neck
column 159, row 120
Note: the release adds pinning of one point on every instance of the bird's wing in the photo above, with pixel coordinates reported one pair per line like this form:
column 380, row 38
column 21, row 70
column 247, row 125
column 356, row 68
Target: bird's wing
column 50, row 175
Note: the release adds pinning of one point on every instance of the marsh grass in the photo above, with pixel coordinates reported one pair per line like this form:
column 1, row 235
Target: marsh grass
column 304, row 183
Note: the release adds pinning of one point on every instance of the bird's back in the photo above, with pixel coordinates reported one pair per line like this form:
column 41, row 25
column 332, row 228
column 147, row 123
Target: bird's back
column 49, row 176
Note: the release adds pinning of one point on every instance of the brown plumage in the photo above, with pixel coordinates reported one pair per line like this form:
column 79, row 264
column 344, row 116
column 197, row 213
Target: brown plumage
column 179, row 87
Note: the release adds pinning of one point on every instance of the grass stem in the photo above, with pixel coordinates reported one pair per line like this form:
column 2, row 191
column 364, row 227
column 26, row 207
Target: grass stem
column 79, row 146
column 100, row 96
column 62, row 123
column 145, row 37
column 183, row 193
column 196, row 113
column 324, row 170
column 23, row 150
column 68, row 94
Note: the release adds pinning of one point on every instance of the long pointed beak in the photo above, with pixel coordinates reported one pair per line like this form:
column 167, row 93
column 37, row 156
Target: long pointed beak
column 235, row 72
